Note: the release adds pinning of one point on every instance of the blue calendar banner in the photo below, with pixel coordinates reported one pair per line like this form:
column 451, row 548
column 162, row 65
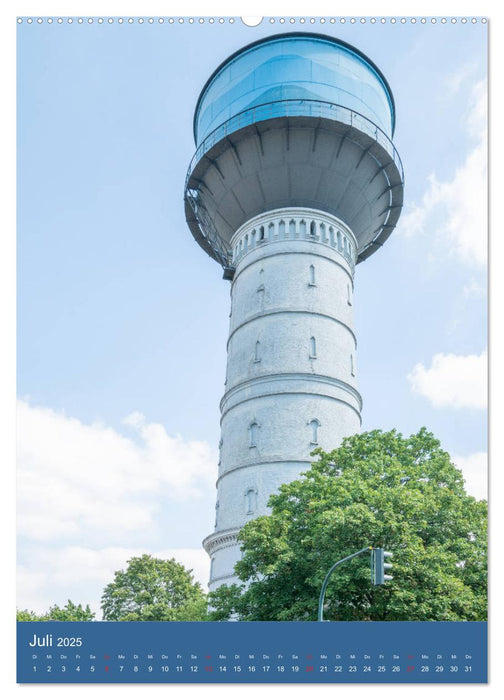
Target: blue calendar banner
column 252, row 652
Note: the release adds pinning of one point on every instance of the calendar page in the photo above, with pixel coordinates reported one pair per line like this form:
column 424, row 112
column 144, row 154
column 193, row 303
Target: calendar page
column 252, row 349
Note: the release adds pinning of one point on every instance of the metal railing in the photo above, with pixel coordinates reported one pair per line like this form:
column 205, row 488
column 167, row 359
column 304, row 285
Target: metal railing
column 271, row 110
column 207, row 228
column 296, row 108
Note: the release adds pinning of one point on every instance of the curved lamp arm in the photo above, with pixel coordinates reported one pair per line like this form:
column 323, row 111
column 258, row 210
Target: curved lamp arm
column 328, row 575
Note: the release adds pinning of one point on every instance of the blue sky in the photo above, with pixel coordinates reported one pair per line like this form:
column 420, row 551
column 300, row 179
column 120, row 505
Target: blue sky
column 122, row 319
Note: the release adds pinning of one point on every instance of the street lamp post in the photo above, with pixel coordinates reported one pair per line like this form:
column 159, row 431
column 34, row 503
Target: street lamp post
column 328, row 575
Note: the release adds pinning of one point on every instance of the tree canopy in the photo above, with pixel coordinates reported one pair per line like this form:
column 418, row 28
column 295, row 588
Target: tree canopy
column 153, row 589
column 68, row 613
column 378, row 489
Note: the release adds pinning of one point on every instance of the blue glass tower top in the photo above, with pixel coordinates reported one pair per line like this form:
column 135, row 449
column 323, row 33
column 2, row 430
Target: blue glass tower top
column 290, row 73
column 294, row 120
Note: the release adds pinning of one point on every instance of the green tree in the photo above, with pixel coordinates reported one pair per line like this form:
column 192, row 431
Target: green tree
column 29, row 616
column 377, row 489
column 154, row 589
column 69, row 613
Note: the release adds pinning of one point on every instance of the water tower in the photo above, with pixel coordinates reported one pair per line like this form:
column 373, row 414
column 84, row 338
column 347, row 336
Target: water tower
column 295, row 180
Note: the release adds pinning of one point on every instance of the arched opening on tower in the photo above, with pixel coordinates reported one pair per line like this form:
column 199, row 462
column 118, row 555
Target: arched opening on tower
column 257, row 352
column 314, row 425
column 253, row 433
column 250, row 501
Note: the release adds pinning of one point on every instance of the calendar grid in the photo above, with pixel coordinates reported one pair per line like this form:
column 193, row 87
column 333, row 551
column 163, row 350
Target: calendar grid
column 304, row 652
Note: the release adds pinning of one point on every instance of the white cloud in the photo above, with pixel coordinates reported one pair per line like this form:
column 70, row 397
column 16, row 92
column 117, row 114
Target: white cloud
column 79, row 485
column 457, row 80
column 456, row 210
column 75, row 478
column 474, row 467
column 79, row 573
column 456, row 381
column 474, row 289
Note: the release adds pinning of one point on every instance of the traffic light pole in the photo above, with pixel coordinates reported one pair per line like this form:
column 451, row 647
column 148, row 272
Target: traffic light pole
column 326, row 580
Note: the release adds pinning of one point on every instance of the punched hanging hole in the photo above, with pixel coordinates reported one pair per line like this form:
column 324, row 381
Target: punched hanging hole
column 251, row 21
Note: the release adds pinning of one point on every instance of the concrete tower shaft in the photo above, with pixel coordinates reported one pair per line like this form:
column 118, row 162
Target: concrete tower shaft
column 291, row 371
column 295, row 180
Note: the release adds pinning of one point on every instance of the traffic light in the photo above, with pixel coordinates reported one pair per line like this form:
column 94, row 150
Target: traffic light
column 379, row 566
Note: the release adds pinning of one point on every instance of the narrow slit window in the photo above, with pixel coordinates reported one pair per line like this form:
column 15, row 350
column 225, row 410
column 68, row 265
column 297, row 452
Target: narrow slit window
column 257, row 352
column 312, row 283
column 349, row 295
column 260, row 288
column 250, row 501
column 261, row 233
column 352, row 366
column 313, row 347
column 253, row 431
column 314, row 425
column 313, row 229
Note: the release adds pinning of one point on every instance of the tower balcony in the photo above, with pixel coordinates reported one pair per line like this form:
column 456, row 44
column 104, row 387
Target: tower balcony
column 302, row 153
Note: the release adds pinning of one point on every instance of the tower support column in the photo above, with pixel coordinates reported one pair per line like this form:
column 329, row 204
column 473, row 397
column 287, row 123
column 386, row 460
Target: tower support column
column 291, row 369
